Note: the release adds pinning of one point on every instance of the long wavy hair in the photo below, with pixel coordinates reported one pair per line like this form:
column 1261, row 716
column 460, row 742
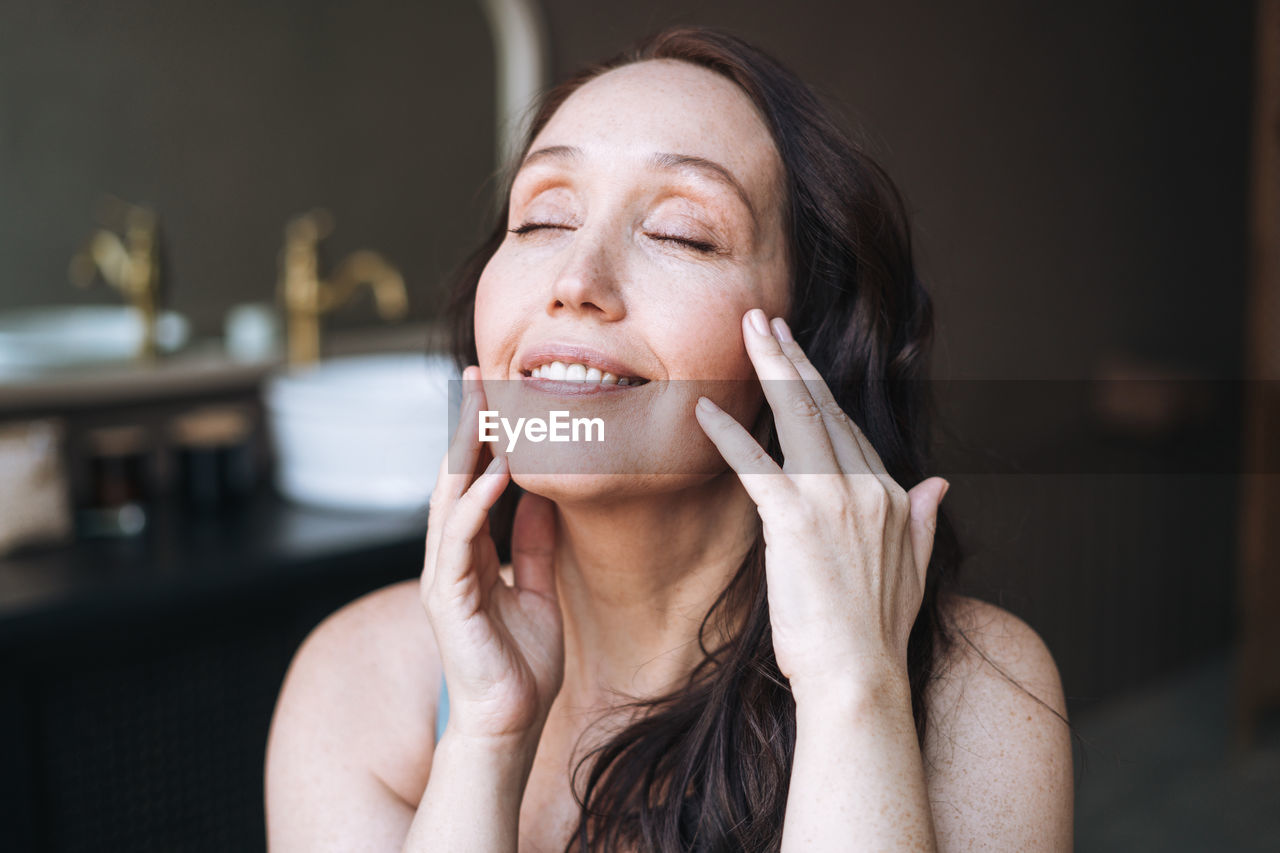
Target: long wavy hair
column 707, row 767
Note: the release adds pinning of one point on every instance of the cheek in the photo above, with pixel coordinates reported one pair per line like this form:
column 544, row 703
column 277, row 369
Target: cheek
column 494, row 313
column 703, row 337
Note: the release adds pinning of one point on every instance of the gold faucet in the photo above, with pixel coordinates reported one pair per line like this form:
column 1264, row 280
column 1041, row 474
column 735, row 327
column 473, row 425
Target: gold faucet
column 306, row 297
column 131, row 265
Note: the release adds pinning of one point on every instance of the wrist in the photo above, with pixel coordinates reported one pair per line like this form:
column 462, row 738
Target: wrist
column 502, row 762
column 511, row 746
column 473, row 796
column 877, row 686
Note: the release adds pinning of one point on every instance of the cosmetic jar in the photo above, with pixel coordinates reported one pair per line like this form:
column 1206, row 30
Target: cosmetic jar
column 116, row 483
column 215, row 466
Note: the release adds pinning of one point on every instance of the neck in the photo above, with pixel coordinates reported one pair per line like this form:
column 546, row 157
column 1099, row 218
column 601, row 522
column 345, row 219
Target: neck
column 635, row 580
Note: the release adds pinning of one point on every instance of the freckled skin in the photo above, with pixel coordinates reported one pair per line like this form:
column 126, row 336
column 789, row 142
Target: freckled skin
column 669, row 310
column 352, row 761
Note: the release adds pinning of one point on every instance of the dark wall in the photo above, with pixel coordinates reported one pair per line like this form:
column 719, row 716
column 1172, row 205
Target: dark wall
column 1077, row 170
column 1078, row 177
column 1077, row 174
column 230, row 117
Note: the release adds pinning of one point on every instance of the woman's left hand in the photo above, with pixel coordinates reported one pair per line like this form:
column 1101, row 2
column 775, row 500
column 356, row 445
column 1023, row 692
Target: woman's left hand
column 846, row 547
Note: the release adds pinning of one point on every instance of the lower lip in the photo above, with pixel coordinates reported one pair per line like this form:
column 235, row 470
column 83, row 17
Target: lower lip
column 576, row 389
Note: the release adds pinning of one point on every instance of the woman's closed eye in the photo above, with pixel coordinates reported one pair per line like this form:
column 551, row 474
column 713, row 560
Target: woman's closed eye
column 701, row 246
column 534, row 226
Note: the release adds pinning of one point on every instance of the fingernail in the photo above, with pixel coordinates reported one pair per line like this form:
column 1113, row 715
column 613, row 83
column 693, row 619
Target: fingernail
column 780, row 330
column 705, row 404
column 494, row 465
column 945, row 487
column 758, row 321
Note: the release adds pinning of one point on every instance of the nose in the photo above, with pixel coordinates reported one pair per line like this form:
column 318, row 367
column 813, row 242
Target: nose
column 588, row 283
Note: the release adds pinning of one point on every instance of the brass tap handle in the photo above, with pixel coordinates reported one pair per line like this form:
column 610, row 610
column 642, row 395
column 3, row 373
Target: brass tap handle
column 130, row 264
column 306, row 296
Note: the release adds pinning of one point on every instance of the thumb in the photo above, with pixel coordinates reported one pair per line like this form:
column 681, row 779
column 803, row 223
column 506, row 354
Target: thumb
column 925, row 499
column 533, row 539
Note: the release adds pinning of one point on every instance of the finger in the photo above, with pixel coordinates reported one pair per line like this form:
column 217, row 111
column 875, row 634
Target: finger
column 465, row 522
column 874, row 462
column 762, row 478
column 457, row 468
column 837, row 421
column 533, row 540
column 849, row 431
column 465, row 448
column 801, row 432
column 435, row 515
column 925, row 500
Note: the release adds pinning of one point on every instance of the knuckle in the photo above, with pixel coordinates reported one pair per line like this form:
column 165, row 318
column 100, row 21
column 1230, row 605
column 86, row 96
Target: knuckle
column 758, row 455
column 803, row 406
column 843, row 502
column 873, row 496
column 450, row 536
column 832, row 411
column 866, row 487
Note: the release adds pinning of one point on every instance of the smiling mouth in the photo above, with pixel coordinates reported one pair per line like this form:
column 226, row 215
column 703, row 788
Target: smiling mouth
column 582, row 375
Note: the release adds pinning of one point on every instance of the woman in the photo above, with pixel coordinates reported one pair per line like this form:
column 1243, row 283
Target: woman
column 727, row 651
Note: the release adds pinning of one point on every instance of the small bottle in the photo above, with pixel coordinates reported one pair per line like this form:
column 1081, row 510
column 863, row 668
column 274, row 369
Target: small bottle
column 215, row 461
column 116, row 503
column 252, row 332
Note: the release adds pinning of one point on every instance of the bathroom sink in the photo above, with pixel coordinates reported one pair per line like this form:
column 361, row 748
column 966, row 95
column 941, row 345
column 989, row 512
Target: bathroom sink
column 361, row 432
column 34, row 340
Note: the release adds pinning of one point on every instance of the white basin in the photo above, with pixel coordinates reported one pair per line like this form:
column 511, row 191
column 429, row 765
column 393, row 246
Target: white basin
column 33, row 340
column 363, row 432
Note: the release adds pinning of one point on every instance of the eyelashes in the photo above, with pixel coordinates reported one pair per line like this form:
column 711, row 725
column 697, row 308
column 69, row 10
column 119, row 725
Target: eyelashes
column 700, row 246
column 533, row 226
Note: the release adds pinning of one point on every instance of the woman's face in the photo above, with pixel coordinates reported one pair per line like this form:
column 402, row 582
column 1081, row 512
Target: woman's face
column 645, row 221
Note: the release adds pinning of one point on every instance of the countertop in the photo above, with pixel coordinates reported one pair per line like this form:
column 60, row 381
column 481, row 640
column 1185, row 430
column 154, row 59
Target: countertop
column 189, row 560
column 201, row 369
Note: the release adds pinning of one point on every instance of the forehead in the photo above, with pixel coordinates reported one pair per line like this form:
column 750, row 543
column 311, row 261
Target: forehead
column 668, row 106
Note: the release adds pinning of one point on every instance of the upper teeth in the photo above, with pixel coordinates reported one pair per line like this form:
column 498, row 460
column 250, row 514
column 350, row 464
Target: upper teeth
column 576, row 372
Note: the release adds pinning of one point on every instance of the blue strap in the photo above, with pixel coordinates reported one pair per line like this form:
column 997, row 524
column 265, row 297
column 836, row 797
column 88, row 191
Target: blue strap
column 442, row 710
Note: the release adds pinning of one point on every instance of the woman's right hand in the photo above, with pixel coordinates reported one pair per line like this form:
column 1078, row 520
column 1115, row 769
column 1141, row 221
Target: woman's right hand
column 502, row 646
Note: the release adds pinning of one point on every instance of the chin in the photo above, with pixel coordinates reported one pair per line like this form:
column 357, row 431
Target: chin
column 599, row 490
column 603, row 477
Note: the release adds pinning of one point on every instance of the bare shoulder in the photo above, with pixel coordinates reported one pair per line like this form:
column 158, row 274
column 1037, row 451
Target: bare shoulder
column 355, row 718
column 994, row 650
column 997, row 745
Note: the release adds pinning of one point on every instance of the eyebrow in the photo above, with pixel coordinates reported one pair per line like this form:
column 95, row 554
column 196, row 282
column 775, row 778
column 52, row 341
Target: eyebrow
column 669, row 162
column 553, row 152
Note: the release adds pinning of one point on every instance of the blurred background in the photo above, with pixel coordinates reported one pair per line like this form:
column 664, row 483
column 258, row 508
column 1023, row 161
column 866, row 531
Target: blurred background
column 227, row 231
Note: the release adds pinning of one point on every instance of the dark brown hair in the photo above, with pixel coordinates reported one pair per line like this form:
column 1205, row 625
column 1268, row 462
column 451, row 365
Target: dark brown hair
column 707, row 767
